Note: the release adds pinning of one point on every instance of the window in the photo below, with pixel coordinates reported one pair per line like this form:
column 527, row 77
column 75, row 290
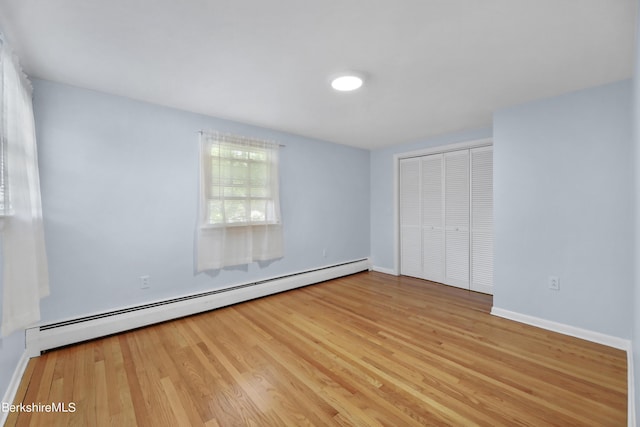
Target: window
column 239, row 201
column 241, row 183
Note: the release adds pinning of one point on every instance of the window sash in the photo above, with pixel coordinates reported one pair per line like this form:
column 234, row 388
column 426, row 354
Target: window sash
column 241, row 182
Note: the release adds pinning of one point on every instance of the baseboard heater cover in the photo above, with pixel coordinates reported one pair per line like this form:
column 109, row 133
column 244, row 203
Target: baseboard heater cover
column 58, row 334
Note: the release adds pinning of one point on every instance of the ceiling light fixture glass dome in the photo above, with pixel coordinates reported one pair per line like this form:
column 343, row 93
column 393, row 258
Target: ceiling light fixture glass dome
column 347, row 82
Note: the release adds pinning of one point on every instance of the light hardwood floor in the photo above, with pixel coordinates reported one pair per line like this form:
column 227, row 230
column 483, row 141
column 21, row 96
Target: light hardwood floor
column 364, row 350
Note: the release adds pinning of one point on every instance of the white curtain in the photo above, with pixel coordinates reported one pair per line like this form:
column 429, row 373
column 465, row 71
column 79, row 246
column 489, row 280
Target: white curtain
column 25, row 271
column 239, row 207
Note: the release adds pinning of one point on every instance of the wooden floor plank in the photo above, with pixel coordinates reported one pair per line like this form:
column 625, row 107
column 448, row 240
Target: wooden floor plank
column 363, row 350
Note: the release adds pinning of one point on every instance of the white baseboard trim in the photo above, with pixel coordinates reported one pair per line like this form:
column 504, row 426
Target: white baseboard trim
column 384, row 270
column 49, row 336
column 585, row 334
column 12, row 389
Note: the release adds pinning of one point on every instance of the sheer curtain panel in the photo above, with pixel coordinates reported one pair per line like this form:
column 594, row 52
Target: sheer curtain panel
column 239, row 206
column 25, row 272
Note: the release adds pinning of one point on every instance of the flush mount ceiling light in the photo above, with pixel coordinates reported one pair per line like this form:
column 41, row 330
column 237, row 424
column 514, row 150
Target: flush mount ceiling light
column 347, row 82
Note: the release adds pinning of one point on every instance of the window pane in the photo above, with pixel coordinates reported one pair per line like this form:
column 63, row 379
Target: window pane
column 234, row 192
column 259, row 155
column 258, row 213
column 215, row 163
column 260, row 192
column 238, row 154
column 220, row 171
column 259, row 174
column 236, row 211
column 215, row 212
column 239, row 172
column 214, row 192
column 240, row 188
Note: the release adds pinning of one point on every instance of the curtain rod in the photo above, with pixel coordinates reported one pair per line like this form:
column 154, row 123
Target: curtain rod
column 239, row 136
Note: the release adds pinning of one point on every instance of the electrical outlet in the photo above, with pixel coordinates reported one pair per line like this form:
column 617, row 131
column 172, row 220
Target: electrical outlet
column 145, row 282
column 324, row 253
column 554, row 283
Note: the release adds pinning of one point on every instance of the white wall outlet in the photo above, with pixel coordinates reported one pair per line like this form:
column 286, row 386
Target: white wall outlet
column 145, row 282
column 324, row 253
column 554, row 283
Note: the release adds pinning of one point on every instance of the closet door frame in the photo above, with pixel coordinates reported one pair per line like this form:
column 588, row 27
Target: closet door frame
column 396, row 185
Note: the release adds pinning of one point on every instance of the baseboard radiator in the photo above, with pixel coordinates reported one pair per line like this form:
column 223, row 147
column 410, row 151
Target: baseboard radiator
column 49, row 336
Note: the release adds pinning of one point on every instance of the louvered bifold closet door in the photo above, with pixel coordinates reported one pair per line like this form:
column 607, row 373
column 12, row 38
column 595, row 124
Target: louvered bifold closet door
column 482, row 220
column 456, row 165
column 410, row 228
column 432, row 218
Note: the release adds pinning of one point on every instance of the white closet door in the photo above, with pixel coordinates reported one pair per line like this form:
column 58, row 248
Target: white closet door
column 410, row 229
column 482, row 220
column 456, row 200
column 432, row 218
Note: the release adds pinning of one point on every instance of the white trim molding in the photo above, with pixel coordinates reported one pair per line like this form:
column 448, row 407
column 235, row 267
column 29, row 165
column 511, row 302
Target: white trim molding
column 585, row 334
column 14, row 384
column 384, row 270
column 436, row 149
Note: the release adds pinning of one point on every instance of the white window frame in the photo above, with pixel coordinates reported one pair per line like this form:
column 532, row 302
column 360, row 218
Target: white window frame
column 247, row 237
column 221, row 184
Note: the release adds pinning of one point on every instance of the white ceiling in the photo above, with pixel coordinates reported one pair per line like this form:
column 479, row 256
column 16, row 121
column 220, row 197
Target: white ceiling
column 433, row 66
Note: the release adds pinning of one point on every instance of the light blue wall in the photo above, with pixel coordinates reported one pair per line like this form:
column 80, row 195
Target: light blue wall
column 119, row 192
column 382, row 191
column 563, row 206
